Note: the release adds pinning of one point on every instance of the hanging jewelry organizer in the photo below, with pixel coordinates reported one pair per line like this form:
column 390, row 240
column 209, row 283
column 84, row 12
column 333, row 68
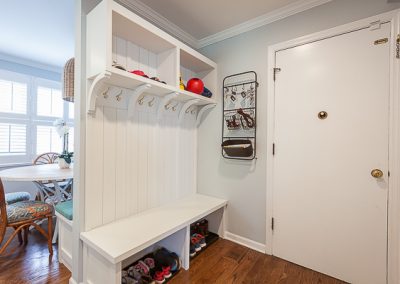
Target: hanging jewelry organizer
column 239, row 116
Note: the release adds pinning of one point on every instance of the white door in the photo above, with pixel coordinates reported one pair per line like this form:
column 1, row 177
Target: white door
column 330, row 213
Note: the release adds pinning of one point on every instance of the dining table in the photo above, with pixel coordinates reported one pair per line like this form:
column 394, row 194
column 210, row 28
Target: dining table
column 54, row 184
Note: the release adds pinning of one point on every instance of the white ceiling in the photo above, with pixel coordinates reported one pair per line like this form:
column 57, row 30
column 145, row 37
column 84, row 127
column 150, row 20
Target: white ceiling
column 202, row 18
column 39, row 30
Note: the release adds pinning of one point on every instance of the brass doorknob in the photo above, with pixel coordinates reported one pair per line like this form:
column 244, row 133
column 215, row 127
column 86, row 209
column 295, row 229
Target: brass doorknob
column 376, row 173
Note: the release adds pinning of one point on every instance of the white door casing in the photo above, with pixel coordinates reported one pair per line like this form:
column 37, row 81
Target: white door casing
column 312, row 152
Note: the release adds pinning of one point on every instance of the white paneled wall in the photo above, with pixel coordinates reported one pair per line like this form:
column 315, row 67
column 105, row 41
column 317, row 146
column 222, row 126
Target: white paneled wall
column 187, row 74
column 137, row 163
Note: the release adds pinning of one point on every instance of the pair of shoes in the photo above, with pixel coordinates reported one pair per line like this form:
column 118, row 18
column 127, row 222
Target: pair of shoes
column 200, row 227
column 160, row 273
column 126, row 279
column 141, row 273
column 166, row 258
column 197, row 242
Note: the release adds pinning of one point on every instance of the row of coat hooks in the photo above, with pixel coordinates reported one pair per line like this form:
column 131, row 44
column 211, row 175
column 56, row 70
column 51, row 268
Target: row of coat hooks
column 171, row 105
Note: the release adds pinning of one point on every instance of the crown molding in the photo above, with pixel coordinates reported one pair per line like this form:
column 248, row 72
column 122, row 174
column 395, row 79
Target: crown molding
column 163, row 23
column 159, row 21
column 276, row 15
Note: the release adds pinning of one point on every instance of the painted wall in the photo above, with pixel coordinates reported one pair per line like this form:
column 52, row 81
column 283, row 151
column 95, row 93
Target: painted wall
column 244, row 183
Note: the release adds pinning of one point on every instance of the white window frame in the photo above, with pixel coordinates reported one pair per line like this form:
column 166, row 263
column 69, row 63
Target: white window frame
column 31, row 119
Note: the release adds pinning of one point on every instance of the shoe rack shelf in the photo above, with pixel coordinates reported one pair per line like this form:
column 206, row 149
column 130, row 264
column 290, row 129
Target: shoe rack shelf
column 109, row 248
column 117, row 35
column 210, row 239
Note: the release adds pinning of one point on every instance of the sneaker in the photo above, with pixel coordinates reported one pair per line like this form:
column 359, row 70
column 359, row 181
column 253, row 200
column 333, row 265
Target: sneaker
column 158, row 276
column 192, row 250
column 177, row 263
column 196, row 243
column 203, row 227
column 126, row 279
column 201, row 239
column 166, row 271
column 166, row 258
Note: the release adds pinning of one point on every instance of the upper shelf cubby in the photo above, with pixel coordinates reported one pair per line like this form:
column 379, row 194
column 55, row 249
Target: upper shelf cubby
column 117, row 35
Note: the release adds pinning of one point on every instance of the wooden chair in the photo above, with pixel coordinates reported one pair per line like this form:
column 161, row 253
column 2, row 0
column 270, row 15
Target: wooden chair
column 20, row 216
column 46, row 158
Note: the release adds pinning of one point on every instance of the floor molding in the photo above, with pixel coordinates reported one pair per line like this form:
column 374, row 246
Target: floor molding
column 72, row 281
column 245, row 242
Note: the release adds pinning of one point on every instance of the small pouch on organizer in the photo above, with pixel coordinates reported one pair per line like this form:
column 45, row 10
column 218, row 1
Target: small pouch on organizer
column 238, row 148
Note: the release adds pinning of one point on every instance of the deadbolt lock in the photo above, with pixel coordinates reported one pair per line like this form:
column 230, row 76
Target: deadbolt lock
column 376, row 173
column 322, row 115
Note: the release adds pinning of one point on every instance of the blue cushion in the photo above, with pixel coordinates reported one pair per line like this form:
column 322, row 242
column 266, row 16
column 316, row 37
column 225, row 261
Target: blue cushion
column 66, row 209
column 14, row 197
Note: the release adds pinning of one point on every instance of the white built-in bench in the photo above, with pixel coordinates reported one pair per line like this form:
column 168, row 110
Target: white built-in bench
column 64, row 221
column 109, row 248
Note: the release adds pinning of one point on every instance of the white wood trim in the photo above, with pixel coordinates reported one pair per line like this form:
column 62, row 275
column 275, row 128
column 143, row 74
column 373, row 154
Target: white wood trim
column 158, row 20
column 244, row 242
column 394, row 133
column 166, row 25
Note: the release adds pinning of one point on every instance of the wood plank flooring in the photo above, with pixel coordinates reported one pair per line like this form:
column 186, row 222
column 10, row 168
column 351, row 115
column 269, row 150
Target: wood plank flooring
column 32, row 263
column 227, row 262
column 224, row 262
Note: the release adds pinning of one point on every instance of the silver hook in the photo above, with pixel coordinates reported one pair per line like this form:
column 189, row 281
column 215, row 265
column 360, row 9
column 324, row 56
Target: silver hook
column 174, row 107
column 151, row 103
column 118, row 97
column 140, row 101
column 105, row 93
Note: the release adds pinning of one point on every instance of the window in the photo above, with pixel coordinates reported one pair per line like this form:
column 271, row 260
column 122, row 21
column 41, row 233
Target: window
column 28, row 108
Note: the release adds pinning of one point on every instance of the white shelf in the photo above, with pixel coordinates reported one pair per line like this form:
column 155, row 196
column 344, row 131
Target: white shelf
column 124, row 79
column 121, row 239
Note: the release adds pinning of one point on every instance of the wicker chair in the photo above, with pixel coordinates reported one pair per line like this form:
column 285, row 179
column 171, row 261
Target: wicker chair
column 20, row 216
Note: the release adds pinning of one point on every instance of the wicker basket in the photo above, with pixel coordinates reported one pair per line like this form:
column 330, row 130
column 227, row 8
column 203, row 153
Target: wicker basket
column 69, row 74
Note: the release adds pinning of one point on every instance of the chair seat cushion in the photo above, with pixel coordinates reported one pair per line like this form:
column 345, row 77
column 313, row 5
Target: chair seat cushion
column 65, row 209
column 14, row 197
column 27, row 210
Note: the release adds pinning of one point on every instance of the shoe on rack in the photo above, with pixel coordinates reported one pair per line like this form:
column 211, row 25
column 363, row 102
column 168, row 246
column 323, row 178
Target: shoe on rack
column 201, row 239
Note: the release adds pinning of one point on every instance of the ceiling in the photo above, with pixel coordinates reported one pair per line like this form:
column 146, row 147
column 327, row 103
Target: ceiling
column 41, row 31
column 207, row 17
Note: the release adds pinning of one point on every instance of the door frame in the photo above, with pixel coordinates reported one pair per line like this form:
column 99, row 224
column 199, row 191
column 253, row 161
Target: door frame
column 393, row 254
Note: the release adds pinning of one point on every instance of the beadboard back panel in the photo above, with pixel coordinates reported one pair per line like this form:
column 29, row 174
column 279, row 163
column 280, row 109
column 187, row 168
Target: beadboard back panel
column 137, row 163
column 134, row 57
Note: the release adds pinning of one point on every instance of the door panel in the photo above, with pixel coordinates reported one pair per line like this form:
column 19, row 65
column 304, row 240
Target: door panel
column 330, row 213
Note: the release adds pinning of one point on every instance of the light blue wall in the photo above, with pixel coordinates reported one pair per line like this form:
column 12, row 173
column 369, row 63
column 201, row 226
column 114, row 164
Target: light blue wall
column 243, row 183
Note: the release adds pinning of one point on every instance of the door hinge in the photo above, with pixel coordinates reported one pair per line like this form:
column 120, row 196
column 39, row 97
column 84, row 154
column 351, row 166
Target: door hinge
column 272, row 224
column 388, row 173
column 398, row 47
column 273, row 149
column 276, row 70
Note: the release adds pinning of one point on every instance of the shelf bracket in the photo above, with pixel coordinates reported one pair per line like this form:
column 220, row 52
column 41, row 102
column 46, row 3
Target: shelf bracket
column 134, row 98
column 202, row 111
column 164, row 101
column 96, row 88
column 186, row 106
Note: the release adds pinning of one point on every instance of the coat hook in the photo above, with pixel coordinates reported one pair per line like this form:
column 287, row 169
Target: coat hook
column 140, row 101
column 118, row 97
column 167, row 106
column 105, row 93
column 151, row 103
column 193, row 111
column 175, row 106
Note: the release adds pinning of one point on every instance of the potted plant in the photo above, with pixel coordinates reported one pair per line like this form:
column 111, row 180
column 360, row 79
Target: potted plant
column 65, row 159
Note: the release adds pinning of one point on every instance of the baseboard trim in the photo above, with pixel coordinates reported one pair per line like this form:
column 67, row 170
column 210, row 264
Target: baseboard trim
column 245, row 242
column 72, row 281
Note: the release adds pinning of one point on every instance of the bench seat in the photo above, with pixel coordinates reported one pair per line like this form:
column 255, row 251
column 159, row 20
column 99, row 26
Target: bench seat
column 121, row 239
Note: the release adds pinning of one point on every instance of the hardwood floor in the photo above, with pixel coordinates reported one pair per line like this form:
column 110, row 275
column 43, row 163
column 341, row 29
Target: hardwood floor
column 224, row 262
column 32, row 263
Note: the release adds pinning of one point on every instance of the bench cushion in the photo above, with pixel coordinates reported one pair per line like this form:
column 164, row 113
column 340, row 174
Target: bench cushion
column 65, row 209
column 27, row 210
column 14, row 197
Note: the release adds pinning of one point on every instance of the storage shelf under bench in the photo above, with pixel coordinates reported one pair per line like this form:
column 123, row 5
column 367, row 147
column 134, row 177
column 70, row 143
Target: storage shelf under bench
column 108, row 246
